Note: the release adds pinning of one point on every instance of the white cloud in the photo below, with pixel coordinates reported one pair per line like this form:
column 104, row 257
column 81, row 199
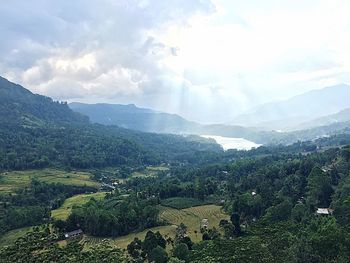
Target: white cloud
column 207, row 60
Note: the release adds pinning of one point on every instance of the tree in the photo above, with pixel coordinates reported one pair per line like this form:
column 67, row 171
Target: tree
column 150, row 242
column 279, row 212
column 158, row 255
column 160, row 240
column 182, row 252
column 235, row 219
column 299, row 211
column 135, row 248
column 319, row 188
column 175, row 260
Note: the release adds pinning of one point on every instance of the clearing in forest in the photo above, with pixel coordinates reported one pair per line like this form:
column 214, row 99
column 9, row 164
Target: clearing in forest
column 77, row 200
column 11, row 181
column 191, row 217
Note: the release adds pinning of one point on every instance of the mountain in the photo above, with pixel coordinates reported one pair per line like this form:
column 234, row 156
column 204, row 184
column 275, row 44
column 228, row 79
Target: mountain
column 147, row 120
column 302, row 108
column 19, row 106
column 339, row 117
column 132, row 117
column 36, row 132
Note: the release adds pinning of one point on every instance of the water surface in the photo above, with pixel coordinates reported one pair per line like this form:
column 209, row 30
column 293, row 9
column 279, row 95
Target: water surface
column 233, row 143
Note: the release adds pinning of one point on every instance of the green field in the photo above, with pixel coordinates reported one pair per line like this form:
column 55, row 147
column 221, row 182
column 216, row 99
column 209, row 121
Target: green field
column 191, row 217
column 183, row 202
column 10, row 181
column 64, row 211
column 150, row 171
column 11, row 236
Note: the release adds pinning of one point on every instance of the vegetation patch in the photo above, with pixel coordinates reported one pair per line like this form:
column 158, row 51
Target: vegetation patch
column 12, row 181
column 11, row 236
column 191, row 217
column 122, row 242
column 149, row 171
column 64, row 211
column 183, row 202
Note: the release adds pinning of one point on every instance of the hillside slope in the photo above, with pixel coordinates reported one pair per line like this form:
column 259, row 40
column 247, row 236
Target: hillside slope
column 132, row 117
column 36, row 132
column 19, row 106
column 299, row 109
column 339, row 117
column 147, row 120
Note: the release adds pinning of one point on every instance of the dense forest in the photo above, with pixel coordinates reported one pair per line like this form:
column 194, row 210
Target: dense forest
column 272, row 201
column 32, row 206
column 36, row 132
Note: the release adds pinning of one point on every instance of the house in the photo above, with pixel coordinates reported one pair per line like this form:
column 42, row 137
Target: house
column 324, row 211
column 205, row 223
column 107, row 186
column 73, row 234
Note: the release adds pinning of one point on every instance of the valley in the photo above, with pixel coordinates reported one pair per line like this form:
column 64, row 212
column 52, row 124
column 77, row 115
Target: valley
column 202, row 131
column 71, row 188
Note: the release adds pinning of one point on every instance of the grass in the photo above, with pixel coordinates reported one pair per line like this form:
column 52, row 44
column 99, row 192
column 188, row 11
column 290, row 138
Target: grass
column 183, row 202
column 64, row 211
column 11, row 181
column 11, row 236
column 157, row 168
column 191, row 217
column 124, row 241
column 150, row 171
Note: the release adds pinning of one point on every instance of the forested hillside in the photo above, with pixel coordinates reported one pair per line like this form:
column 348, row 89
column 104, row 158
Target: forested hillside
column 37, row 132
column 18, row 106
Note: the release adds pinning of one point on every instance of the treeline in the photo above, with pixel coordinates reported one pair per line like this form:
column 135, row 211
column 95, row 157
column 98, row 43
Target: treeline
column 41, row 245
column 32, row 206
column 91, row 146
column 113, row 216
column 18, row 106
column 273, row 201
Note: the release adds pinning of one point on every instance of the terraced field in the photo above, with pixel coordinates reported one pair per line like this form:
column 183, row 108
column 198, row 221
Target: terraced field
column 64, row 211
column 10, row 181
column 150, row 171
column 191, row 217
column 122, row 242
column 11, row 236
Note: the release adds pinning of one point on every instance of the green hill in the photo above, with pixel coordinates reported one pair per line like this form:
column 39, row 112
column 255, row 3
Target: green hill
column 19, row 106
column 36, row 132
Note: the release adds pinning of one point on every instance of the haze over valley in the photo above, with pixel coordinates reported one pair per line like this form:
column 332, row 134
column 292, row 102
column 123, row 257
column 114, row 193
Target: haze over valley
column 202, row 131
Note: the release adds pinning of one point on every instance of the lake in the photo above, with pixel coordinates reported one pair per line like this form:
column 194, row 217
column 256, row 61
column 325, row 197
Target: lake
column 233, row 143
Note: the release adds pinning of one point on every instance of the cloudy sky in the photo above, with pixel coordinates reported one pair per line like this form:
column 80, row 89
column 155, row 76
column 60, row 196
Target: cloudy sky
column 206, row 60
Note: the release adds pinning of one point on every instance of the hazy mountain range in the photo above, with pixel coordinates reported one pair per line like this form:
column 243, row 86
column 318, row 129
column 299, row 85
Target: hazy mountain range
column 36, row 131
column 147, row 120
column 19, row 106
column 289, row 114
column 304, row 117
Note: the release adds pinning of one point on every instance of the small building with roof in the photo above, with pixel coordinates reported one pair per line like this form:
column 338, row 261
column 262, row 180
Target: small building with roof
column 324, row 211
column 74, row 234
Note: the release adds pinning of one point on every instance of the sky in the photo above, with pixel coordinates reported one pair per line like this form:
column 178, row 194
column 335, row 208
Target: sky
column 205, row 60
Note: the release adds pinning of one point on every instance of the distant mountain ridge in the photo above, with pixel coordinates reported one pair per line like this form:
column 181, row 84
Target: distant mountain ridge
column 132, row 117
column 339, row 117
column 37, row 132
column 147, row 120
column 296, row 110
column 20, row 106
